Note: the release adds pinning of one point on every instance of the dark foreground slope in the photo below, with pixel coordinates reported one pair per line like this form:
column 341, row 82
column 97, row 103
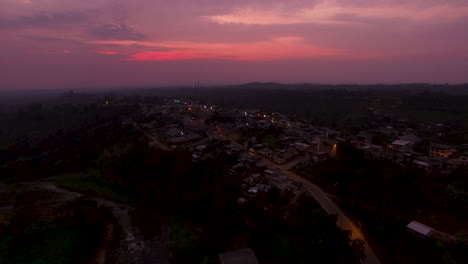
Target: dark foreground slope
column 95, row 192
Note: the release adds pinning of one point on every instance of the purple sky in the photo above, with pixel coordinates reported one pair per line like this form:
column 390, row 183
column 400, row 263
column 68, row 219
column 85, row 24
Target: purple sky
column 100, row 43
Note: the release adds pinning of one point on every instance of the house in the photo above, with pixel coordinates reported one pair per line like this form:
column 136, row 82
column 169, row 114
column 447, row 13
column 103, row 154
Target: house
column 289, row 155
column 420, row 229
column 200, row 147
column 253, row 191
column 178, row 140
column 237, row 169
column 441, row 150
column 258, row 146
column 363, row 139
column 241, row 201
column 320, row 156
column 332, row 142
column 411, row 138
column 260, row 164
column 278, row 159
column 401, row 145
column 375, row 151
column 184, row 139
column 242, row 256
column 174, row 132
column 266, row 152
column 301, row 146
column 193, row 137
column 451, row 165
column 463, row 158
column 422, row 165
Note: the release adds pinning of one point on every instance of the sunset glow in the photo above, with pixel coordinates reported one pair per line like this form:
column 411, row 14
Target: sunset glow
column 284, row 48
column 322, row 40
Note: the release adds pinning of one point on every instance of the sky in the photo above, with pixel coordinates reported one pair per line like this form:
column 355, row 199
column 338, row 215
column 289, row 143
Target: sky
column 105, row 43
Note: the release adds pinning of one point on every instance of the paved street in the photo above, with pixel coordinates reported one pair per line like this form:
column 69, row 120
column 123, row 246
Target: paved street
column 328, row 205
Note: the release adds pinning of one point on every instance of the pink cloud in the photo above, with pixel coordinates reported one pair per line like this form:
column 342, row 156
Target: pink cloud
column 280, row 48
column 242, row 40
column 166, row 56
column 329, row 12
column 108, row 52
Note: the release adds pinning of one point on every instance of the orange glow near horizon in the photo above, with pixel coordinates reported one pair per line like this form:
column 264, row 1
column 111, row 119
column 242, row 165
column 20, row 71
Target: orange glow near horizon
column 108, row 52
column 166, row 56
column 281, row 48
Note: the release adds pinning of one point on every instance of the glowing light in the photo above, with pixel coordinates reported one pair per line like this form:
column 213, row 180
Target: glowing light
column 168, row 55
column 108, row 52
column 279, row 48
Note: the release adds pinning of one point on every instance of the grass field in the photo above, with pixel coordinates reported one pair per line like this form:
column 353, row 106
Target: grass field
column 92, row 184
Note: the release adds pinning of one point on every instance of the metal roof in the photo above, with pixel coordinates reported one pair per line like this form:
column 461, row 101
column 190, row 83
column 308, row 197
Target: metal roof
column 399, row 142
column 420, row 228
column 242, row 256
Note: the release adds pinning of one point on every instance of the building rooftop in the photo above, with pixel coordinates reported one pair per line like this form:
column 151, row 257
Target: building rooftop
column 242, row 256
column 177, row 140
column 420, row 228
column 422, row 163
column 400, row 142
column 440, row 146
column 411, row 137
column 173, row 132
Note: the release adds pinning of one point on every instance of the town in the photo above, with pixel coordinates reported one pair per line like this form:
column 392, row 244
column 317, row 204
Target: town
column 233, row 132
column 261, row 137
column 268, row 146
column 179, row 179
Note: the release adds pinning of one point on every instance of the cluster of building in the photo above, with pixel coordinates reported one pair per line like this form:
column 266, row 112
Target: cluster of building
column 439, row 158
column 265, row 144
column 296, row 139
column 206, row 131
column 191, row 124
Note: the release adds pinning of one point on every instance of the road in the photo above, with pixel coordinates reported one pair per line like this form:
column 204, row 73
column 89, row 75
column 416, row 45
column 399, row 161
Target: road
column 331, row 208
column 328, row 205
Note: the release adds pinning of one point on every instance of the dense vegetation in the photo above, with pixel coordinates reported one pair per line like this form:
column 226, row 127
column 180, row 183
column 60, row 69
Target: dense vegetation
column 70, row 233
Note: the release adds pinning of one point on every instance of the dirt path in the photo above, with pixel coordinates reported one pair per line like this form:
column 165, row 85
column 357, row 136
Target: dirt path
column 66, row 194
column 133, row 247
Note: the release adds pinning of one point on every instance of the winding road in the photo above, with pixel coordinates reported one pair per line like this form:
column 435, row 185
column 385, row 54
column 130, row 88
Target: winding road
column 331, row 208
column 327, row 204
